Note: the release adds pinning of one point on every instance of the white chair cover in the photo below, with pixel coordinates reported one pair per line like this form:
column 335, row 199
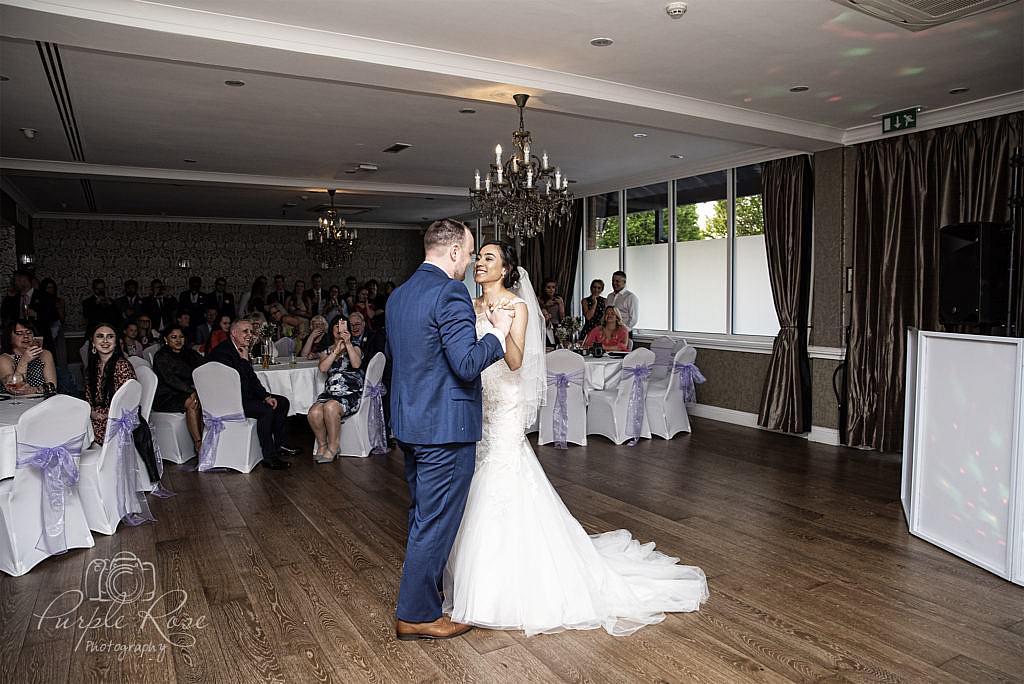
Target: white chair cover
column 608, row 410
column 666, row 410
column 220, row 393
column 680, row 342
column 138, row 361
column 171, row 435
column 147, row 378
column 571, row 363
column 99, row 468
column 663, row 348
column 355, row 431
column 151, row 351
column 285, row 346
column 54, row 422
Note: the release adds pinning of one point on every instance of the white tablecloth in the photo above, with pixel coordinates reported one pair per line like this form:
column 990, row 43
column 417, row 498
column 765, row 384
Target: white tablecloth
column 9, row 415
column 300, row 383
column 602, row 373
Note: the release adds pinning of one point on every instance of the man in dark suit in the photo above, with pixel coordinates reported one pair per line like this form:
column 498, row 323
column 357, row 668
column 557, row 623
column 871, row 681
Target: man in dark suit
column 221, row 299
column 279, row 294
column 432, row 344
column 32, row 304
column 316, row 295
column 269, row 410
column 159, row 306
column 193, row 300
column 129, row 305
column 99, row 308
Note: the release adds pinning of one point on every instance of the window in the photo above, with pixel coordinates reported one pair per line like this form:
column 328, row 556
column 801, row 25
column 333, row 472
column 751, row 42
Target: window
column 702, row 255
column 646, row 267
column 753, row 305
column 601, row 241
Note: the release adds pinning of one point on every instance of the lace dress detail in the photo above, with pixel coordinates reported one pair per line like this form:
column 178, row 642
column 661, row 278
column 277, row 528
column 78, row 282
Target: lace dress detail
column 521, row 561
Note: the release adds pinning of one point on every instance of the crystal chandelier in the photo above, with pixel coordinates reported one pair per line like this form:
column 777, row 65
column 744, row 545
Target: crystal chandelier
column 331, row 242
column 523, row 193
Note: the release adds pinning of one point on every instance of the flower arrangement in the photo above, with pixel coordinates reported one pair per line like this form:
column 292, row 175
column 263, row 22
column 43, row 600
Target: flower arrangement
column 567, row 331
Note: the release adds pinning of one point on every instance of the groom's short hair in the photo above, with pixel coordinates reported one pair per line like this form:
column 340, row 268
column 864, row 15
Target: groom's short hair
column 443, row 234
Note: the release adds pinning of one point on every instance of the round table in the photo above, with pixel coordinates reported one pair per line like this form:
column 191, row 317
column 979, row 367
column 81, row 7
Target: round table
column 300, row 384
column 9, row 415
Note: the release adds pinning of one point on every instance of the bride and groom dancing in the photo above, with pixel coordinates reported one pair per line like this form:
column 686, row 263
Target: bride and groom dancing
column 490, row 542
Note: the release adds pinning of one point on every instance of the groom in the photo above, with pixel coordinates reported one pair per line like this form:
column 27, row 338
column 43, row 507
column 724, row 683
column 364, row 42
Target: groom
column 436, row 414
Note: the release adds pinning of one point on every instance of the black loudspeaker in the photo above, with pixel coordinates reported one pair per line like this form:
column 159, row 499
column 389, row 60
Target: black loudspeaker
column 974, row 267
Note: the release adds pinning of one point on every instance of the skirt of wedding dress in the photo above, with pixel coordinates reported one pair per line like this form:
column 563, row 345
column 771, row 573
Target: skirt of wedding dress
column 522, row 562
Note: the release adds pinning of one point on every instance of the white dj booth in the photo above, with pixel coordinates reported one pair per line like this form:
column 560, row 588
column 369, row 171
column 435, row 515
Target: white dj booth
column 963, row 454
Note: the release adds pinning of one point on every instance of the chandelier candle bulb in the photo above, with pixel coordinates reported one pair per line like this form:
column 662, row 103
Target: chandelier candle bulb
column 515, row 165
column 526, row 153
column 497, row 156
column 476, row 180
column 499, row 176
column 558, row 178
column 544, row 160
column 529, row 178
column 487, row 184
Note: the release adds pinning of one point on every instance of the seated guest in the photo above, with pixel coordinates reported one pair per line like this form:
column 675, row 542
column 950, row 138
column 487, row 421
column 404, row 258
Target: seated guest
column 269, row 410
column 357, row 326
column 288, row 325
column 25, row 367
column 130, row 344
column 612, row 335
column 296, row 303
column 342, row 391
column 146, row 334
column 317, row 339
column 106, row 371
column 593, row 307
column 220, row 333
column 335, row 304
column 183, row 319
column 203, row 331
column 254, row 300
column 175, row 391
column 364, row 305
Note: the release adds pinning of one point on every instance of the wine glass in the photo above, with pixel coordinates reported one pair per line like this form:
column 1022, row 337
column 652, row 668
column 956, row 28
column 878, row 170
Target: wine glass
column 15, row 379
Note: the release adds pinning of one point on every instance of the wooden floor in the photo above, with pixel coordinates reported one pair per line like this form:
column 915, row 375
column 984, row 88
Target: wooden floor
column 292, row 577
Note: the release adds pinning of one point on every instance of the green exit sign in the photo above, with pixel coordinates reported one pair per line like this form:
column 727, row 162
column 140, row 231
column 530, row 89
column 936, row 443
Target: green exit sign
column 899, row 121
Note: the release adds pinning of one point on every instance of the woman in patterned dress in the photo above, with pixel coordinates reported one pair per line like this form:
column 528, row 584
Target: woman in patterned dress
column 344, row 387
column 25, row 358
column 107, row 370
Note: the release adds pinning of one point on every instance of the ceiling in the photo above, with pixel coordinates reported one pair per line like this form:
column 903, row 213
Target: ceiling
column 329, row 85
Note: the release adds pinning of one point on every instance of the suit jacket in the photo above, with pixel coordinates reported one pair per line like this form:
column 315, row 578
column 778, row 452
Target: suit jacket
column 314, row 307
column 196, row 310
column 436, row 360
column 161, row 310
column 95, row 312
column 129, row 309
column 45, row 309
column 226, row 306
column 273, row 297
column 227, row 353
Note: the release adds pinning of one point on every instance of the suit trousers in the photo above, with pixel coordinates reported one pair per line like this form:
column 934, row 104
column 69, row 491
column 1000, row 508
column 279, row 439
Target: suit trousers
column 270, row 423
column 438, row 476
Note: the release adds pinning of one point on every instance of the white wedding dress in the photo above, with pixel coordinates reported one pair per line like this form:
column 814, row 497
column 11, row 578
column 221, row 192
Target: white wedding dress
column 522, row 562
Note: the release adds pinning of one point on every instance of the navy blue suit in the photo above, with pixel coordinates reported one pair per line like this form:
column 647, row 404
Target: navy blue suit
column 436, row 416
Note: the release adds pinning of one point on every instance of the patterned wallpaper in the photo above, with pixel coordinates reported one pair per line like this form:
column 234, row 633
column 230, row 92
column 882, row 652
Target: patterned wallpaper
column 73, row 252
column 8, row 252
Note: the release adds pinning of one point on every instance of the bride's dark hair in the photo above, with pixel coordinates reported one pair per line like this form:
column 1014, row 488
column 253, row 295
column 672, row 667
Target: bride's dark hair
column 509, row 260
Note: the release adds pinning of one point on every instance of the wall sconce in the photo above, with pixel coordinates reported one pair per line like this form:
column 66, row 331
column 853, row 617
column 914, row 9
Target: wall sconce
column 26, row 259
column 184, row 263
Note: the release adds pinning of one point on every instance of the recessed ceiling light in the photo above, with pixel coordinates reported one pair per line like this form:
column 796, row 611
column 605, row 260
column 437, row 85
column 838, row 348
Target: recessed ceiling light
column 429, row 199
column 958, row 91
column 676, row 156
column 601, row 42
column 799, row 89
column 4, row 78
column 234, row 84
column 467, row 110
column 639, row 135
column 189, row 161
column 350, row 171
column 29, row 133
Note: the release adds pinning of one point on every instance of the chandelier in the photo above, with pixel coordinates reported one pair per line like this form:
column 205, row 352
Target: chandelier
column 331, row 242
column 523, row 193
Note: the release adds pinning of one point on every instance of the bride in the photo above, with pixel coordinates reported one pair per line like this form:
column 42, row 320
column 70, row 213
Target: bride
column 520, row 560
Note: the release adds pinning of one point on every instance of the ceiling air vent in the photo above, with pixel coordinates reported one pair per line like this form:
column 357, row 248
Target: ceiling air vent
column 344, row 209
column 397, row 147
column 918, row 15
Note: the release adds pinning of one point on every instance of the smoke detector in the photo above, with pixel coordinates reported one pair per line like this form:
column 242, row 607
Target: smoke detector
column 676, row 10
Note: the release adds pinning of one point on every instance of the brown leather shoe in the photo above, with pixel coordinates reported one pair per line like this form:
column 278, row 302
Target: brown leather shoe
column 441, row 628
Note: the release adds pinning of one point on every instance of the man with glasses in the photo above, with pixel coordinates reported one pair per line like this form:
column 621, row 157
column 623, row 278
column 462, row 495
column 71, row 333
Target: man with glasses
column 269, row 410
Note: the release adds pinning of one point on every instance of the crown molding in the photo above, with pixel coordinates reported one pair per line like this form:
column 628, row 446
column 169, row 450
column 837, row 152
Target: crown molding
column 19, row 198
column 983, row 108
column 209, row 220
column 137, row 173
column 411, row 61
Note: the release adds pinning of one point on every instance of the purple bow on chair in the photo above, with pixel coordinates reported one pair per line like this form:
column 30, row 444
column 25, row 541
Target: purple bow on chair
column 637, row 400
column 128, row 469
column 376, row 427
column 688, row 374
column 211, row 437
column 560, row 412
column 59, row 471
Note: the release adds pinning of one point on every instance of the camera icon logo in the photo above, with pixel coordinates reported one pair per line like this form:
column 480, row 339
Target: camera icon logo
column 122, row 579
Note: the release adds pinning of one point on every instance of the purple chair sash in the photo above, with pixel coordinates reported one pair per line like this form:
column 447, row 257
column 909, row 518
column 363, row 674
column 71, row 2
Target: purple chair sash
column 560, row 412
column 688, row 374
column 637, row 400
column 377, row 427
column 160, row 490
column 59, row 471
column 121, row 429
column 211, row 438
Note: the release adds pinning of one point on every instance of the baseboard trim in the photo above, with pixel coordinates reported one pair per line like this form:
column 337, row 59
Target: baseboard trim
column 822, row 435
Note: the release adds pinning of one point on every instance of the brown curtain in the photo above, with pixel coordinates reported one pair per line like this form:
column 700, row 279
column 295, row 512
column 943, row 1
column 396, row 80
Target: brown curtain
column 787, row 189
column 907, row 188
column 555, row 253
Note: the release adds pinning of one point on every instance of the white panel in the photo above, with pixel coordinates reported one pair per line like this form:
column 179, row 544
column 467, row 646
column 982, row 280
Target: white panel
column 965, row 446
column 647, row 277
column 754, row 312
column 909, row 423
column 700, row 286
column 600, row 264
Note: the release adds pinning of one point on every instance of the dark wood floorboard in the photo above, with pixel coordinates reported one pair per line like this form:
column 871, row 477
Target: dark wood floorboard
column 292, row 577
